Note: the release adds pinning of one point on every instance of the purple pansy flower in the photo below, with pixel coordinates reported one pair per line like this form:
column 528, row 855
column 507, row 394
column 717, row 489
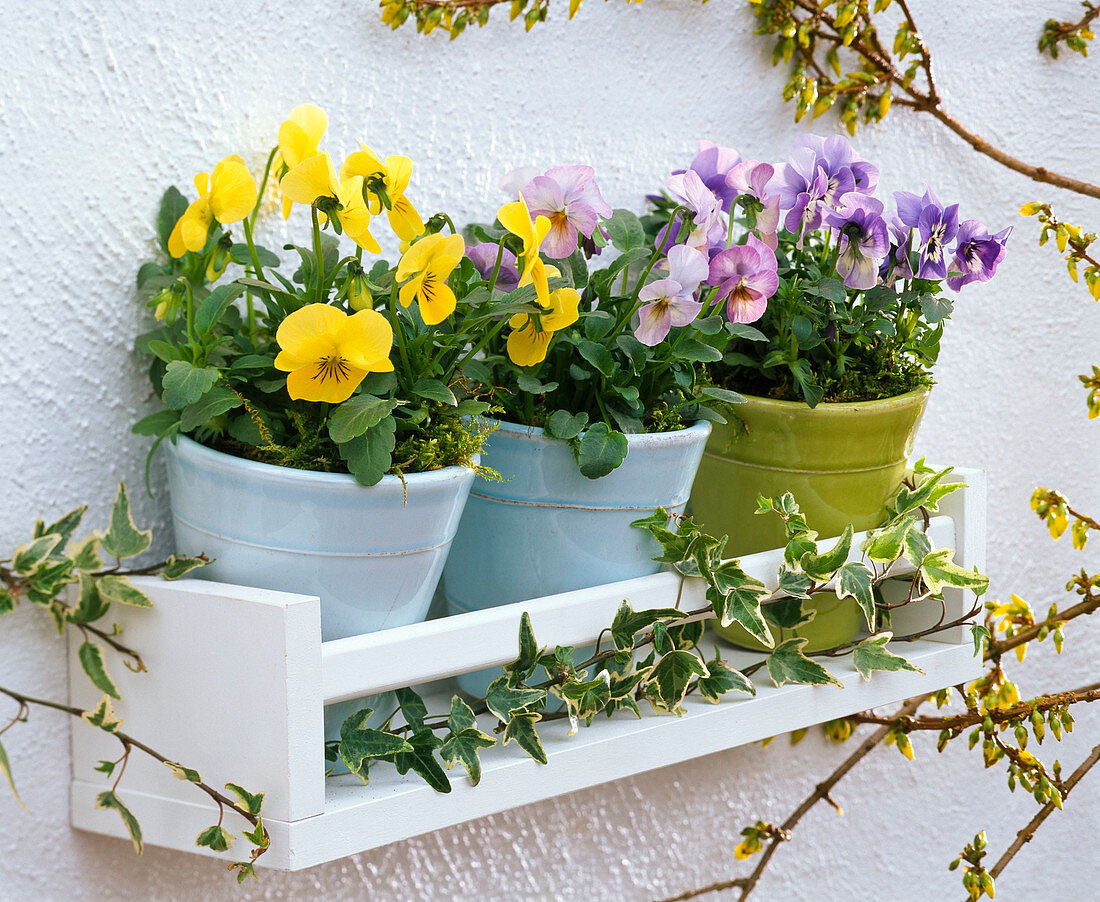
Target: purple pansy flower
column 896, row 265
column 977, row 253
column 746, row 276
column 938, row 226
column 864, row 241
column 671, row 302
column 799, row 185
column 484, row 258
column 751, row 178
column 708, row 226
column 712, row 164
column 569, row 198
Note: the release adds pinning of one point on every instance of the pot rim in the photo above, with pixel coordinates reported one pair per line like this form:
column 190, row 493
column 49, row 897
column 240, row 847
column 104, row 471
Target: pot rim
column 903, row 400
column 188, row 447
column 685, row 436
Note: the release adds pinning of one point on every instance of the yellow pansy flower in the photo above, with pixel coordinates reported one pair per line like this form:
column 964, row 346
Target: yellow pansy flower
column 315, row 178
column 389, row 179
column 227, row 194
column 328, row 353
column 426, row 265
column 516, row 218
column 530, row 335
column 299, row 139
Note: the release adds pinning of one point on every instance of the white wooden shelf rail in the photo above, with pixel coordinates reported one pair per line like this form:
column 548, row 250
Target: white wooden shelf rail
column 238, row 678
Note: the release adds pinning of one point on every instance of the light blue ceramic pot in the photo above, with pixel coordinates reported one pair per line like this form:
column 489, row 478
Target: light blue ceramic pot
column 547, row 529
column 373, row 554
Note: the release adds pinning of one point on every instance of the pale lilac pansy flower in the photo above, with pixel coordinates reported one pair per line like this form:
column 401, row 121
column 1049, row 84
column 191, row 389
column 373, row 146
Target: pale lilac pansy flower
column 746, row 277
column 516, row 180
column 708, row 224
column 864, row 240
column 938, row 226
column 484, row 258
column 712, row 164
column 751, row 178
column 977, row 253
column 569, row 197
column 671, row 302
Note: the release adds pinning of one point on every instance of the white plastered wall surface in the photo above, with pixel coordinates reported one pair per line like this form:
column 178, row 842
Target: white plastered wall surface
column 104, row 104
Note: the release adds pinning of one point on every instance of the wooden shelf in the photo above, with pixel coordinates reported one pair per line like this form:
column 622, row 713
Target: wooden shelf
column 238, row 678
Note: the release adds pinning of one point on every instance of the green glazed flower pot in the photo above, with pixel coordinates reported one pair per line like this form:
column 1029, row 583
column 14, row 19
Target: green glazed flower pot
column 842, row 463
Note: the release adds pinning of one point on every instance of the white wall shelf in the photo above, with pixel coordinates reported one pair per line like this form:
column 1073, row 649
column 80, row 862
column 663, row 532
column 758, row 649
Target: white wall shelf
column 238, row 678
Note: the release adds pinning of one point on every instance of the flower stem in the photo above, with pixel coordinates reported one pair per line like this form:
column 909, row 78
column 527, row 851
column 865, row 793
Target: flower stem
column 318, row 255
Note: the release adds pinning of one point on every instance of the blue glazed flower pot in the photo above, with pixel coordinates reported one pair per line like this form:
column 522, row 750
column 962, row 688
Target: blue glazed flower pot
column 547, row 529
column 373, row 554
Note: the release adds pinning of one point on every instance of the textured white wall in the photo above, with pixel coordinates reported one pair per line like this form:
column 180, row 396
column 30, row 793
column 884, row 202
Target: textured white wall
column 103, row 104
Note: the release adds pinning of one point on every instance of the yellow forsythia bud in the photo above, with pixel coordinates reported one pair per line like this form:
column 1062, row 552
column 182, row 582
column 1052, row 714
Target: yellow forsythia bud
column 1030, row 209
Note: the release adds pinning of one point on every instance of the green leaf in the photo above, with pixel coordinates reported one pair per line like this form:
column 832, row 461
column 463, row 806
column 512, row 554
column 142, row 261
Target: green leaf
column 672, row 674
column 172, row 206
column 504, row 701
column 564, row 425
column 587, row 697
column 463, row 746
column 728, row 577
column 721, row 678
column 103, row 716
column 624, row 230
column 853, row 580
column 124, row 539
column 27, row 557
column 155, row 423
column 91, row 659
column 217, row 838
column 258, row 837
column 65, row 527
column 528, row 650
column 413, row 708
column 5, row 769
column 118, row 588
column 420, row 758
column 927, row 494
column 601, row 450
column 787, row 614
column 461, row 717
column 627, row 623
column 886, row 544
column 7, row 602
column 214, row 403
column 187, row 774
column 521, row 730
column 980, row 634
column 598, row 356
column 722, row 394
column 742, row 606
column 435, row 390
column 794, row 583
column 110, row 800
column 360, row 746
column 90, row 605
column 179, row 565
column 821, row 567
column 871, row 654
column 241, row 254
column 690, row 349
column 85, row 555
column 939, row 570
column 368, row 456
column 214, row 305
column 917, row 546
column 184, row 383
column 253, row 803
column 787, row 664
column 533, row 386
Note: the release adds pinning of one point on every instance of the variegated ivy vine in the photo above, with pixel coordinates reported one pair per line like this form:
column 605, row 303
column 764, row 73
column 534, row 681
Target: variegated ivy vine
column 41, row 573
column 654, row 656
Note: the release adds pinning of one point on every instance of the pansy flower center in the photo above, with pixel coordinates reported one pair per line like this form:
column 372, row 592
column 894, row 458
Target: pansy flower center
column 334, row 367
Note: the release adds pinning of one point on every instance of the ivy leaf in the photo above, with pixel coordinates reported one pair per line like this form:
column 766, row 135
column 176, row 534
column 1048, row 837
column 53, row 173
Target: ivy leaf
column 118, row 588
column 787, row 664
column 5, row 769
column 7, row 602
column 627, row 623
column 463, row 747
column 368, row 455
column 601, row 450
column 356, row 415
column 253, row 803
column 258, row 837
column 687, row 635
column 27, row 557
column 729, row 577
column 123, row 538
column 821, row 567
column 743, row 606
column 787, row 614
column 90, row 604
column 85, row 555
column 412, row 707
column 886, row 544
column 564, row 425
column 360, row 746
column 65, row 527
column 187, row 774
column 671, row 676
column 504, row 701
column 980, row 634
column 184, row 383
column 110, row 800
column 871, row 654
column 939, row 570
column 420, row 758
column 927, row 495
column 521, row 730
column 461, row 717
column 917, row 545
column 794, row 583
column 103, row 716
column 217, row 838
column 528, row 650
column 91, row 659
column 587, row 697
column 853, row 580
column 214, row 403
column 721, row 678
column 179, row 565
